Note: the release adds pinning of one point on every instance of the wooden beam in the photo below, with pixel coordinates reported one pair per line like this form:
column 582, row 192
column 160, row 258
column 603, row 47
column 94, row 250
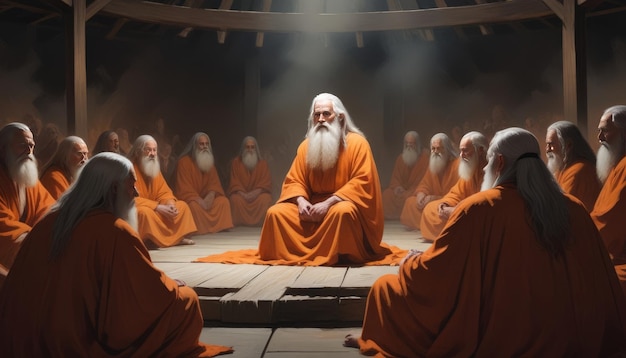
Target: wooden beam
column 94, row 7
column 501, row 12
column 574, row 65
column 556, row 7
column 76, row 83
column 116, row 28
column 267, row 5
column 221, row 35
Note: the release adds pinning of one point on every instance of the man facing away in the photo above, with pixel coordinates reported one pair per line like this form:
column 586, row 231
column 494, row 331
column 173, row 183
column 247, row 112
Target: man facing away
column 442, row 174
column 163, row 220
column 610, row 207
column 23, row 200
column 250, row 185
column 408, row 171
column 519, row 270
column 572, row 162
column 473, row 154
column 198, row 184
column 83, row 284
column 63, row 168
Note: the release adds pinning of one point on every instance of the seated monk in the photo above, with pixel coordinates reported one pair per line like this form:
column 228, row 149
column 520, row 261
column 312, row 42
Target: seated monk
column 108, row 141
column 64, row 166
column 250, row 185
column 442, row 174
column 330, row 209
column 473, row 155
column 23, row 200
column 198, row 184
column 83, row 284
column 520, row 270
column 408, row 171
column 163, row 220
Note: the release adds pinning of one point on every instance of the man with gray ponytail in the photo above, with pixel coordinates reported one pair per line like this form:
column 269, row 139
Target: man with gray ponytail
column 610, row 207
column 83, row 284
column 519, row 270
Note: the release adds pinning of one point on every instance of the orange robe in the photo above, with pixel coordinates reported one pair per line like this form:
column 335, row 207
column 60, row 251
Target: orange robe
column 431, row 184
column 12, row 225
column 431, row 224
column 486, row 288
column 351, row 231
column 191, row 183
column 609, row 216
column 580, row 180
column 102, row 297
column 152, row 225
column 241, row 179
column 55, row 182
column 406, row 177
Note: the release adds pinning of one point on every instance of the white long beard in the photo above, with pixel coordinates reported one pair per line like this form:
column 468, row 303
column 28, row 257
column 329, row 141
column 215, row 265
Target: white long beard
column 467, row 167
column 126, row 210
column 150, row 167
column 438, row 163
column 75, row 172
column 409, row 156
column 204, row 160
column 556, row 163
column 324, row 144
column 490, row 177
column 607, row 158
column 250, row 160
column 23, row 170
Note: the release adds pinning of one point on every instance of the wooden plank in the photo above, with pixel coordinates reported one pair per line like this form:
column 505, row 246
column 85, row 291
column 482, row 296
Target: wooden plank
column 352, row 308
column 318, row 281
column 247, row 342
column 299, row 309
column 358, row 280
column 311, row 342
column 254, row 303
column 500, row 12
column 210, row 308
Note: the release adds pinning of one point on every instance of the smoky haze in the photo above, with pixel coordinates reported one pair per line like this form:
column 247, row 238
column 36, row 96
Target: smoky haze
column 396, row 82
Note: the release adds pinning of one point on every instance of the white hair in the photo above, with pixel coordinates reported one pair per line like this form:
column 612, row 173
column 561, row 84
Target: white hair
column 61, row 156
column 347, row 125
column 447, row 144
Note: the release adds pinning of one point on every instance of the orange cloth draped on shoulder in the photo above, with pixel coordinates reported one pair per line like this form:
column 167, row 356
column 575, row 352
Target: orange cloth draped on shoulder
column 487, row 288
column 431, row 224
column 352, row 230
column 430, row 184
column 608, row 215
column 580, row 180
column 101, row 297
column 406, row 177
column 252, row 212
column 12, row 224
column 192, row 183
column 55, row 182
column 152, row 225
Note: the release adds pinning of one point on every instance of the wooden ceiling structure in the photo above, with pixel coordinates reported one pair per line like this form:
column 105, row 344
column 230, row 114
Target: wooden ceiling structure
column 325, row 17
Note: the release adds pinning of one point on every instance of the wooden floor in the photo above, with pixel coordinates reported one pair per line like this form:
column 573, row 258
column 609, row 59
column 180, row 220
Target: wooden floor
column 277, row 311
column 263, row 295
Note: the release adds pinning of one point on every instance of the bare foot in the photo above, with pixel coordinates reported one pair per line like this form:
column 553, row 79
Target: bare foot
column 351, row 341
column 186, row 241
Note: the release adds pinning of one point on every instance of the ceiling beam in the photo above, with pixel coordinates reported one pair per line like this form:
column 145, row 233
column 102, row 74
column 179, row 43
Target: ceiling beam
column 501, row 12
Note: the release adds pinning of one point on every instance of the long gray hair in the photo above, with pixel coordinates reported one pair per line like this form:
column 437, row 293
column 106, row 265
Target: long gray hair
column 192, row 145
column 447, row 143
column 60, row 157
column 568, row 132
column 136, row 151
column 95, row 188
column 543, row 196
column 347, row 125
column 6, row 135
column 243, row 146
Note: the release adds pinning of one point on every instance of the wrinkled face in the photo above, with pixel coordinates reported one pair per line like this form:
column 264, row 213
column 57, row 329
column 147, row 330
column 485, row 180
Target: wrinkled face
column 436, row 147
column 323, row 112
column 150, row 149
column 250, row 147
column 113, row 144
column 409, row 142
column 22, row 144
column 607, row 131
column 553, row 145
column 79, row 155
column 467, row 149
column 202, row 144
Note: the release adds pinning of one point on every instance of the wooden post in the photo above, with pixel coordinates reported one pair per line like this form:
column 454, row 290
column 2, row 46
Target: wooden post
column 574, row 65
column 76, row 73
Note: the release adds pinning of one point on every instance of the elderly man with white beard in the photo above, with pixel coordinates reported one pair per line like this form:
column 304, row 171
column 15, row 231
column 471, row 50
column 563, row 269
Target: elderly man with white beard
column 610, row 207
column 572, row 162
column 163, row 220
column 198, row 184
column 63, row 168
column 23, row 200
column 330, row 209
column 408, row 171
column 442, row 174
column 473, row 157
column 250, row 185
column 83, row 284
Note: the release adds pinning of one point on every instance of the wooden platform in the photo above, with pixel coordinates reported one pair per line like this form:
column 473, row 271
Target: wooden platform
column 273, row 296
